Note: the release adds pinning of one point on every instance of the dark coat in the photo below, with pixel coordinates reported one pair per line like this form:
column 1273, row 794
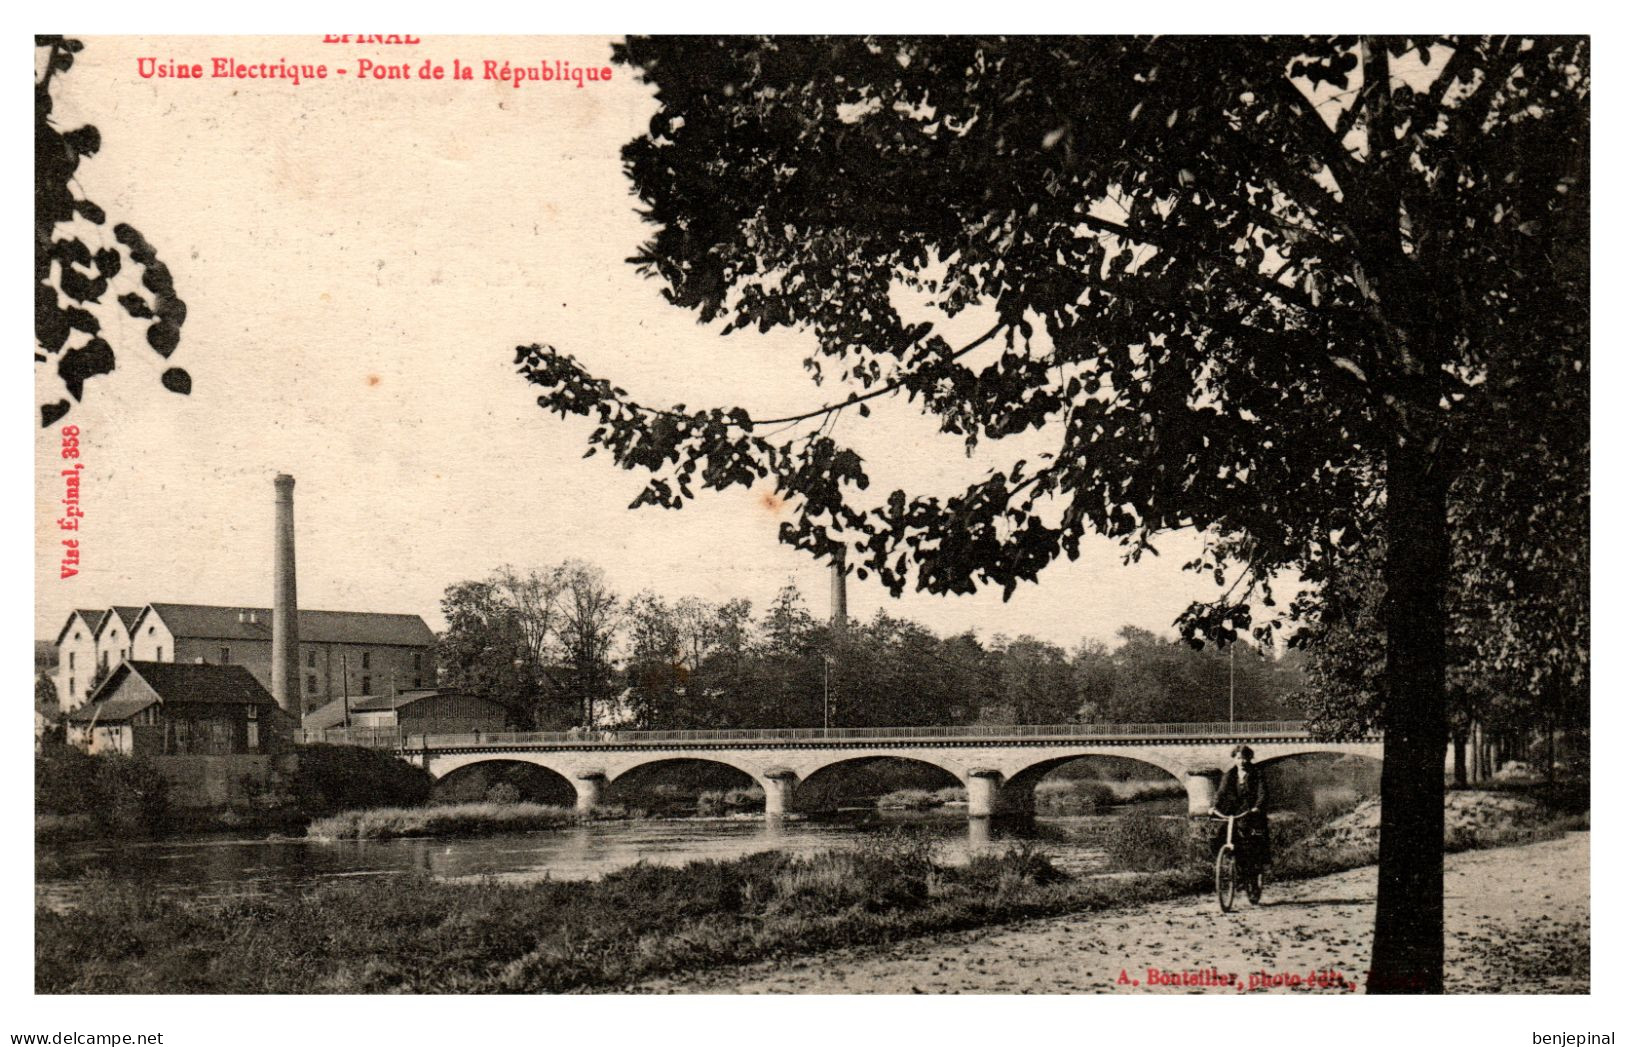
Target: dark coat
column 1236, row 797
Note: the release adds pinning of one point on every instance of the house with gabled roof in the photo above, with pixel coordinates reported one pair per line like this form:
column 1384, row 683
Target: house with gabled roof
column 180, row 709
column 76, row 656
column 114, row 636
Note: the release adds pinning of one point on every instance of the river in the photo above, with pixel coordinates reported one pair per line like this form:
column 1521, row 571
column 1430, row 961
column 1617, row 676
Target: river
column 218, row 866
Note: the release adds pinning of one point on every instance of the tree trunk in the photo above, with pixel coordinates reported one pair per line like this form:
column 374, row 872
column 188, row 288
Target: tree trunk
column 1407, row 953
column 1459, row 739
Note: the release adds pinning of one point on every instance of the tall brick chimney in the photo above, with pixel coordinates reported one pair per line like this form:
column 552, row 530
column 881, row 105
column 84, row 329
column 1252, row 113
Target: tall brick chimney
column 285, row 605
column 837, row 590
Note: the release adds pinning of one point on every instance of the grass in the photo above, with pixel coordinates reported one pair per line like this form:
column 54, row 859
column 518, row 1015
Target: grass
column 462, row 819
column 66, row 828
column 421, row 935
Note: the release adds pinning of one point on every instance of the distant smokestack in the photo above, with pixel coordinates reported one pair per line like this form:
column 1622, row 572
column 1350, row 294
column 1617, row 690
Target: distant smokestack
column 285, row 605
column 837, row 590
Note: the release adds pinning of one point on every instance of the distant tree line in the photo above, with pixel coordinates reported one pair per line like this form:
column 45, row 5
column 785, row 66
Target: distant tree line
column 560, row 649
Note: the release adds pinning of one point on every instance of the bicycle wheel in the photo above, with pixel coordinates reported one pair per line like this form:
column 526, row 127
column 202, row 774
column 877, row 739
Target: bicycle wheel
column 1224, row 878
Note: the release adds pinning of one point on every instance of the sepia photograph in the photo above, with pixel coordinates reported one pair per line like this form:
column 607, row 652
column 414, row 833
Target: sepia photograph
column 803, row 515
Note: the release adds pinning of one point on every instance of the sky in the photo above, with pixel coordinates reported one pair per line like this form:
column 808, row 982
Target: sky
column 359, row 260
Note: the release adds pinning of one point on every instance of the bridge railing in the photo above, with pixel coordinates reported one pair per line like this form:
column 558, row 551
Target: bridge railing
column 394, row 738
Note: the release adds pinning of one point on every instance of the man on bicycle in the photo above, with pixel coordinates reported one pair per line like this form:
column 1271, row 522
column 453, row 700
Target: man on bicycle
column 1241, row 793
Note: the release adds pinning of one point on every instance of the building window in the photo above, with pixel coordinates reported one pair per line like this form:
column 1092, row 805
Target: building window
column 310, row 684
column 310, row 659
column 71, row 682
column 253, row 712
column 366, row 685
column 366, row 659
column 104, row 659
column 225, row 656
column 417, row 661
column 417, row 681
column 70, row 659
column 160, row 655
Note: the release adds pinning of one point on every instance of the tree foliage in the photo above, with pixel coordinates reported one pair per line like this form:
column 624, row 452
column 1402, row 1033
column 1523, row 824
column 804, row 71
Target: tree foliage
column 694, row 664
column 538, row 642
column 1199, row 276
column 76, row 266
column 1272, row 289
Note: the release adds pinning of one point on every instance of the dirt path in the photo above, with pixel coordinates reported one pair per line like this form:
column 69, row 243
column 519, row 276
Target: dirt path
column 1518, row 920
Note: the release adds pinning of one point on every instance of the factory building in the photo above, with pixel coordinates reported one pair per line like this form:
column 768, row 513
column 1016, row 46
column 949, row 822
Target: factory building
column 305, row 659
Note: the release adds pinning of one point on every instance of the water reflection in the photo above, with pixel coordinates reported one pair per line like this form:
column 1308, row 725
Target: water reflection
column 214, row 867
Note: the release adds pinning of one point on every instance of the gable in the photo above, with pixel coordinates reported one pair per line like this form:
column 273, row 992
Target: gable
column 123, row 618
column 90, row 618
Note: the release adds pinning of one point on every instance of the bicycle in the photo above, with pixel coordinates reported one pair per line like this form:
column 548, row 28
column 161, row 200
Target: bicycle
column 1226, row 873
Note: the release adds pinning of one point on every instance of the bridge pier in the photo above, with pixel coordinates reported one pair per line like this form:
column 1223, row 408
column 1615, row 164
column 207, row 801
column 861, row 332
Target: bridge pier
column 589, row 790
column 982, row 791
column 780, row 785
column 1201, row 788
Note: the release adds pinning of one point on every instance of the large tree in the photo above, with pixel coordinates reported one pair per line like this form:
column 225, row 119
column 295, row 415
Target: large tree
column 1258, row 287
column 483, row 649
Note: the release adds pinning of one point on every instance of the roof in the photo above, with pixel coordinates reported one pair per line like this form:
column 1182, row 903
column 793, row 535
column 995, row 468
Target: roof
column 125, row 616
column 111, row 710
column 174, row 683
column 91, row 616
column 332, row 714
column 200, row 621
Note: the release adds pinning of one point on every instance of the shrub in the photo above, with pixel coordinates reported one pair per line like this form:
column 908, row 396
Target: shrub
column 1146, row 843
column 908, row 800
column 1069, row 795
column 502, row 792
column 117, row 793
column 65, row 781
column 136, row 796
column 1026, row 864
column 333, row 778
column 715, row 802
column 893, row 871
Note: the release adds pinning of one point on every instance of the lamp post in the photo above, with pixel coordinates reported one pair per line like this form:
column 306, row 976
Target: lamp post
column 1232, row 685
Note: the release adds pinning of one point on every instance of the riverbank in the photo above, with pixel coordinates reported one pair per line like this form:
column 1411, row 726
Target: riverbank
column 646, row 922
column 1517, row 920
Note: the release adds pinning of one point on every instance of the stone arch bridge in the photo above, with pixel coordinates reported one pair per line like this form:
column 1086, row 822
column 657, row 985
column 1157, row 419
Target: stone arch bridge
column 998, row 765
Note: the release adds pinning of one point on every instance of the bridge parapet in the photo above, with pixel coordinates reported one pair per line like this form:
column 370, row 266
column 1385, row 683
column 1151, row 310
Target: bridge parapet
column 993, row 734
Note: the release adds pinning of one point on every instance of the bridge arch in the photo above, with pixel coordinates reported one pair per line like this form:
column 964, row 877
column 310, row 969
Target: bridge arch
column 1317, row 780
column 442, row 767
column 637, row 784
column 526, row 779
column 1364, row 750
column 1017, row 791
column 819, row 785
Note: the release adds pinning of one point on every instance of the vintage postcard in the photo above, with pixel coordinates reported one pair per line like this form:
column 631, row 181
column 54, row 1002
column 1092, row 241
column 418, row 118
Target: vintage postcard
column 803, row 515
